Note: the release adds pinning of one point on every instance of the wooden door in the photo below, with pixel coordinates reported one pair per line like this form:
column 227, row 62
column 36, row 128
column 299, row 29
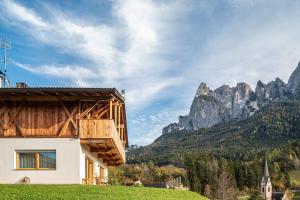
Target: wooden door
column 89, row 171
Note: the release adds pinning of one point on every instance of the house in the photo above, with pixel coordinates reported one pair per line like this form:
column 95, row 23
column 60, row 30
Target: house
column 61, row 135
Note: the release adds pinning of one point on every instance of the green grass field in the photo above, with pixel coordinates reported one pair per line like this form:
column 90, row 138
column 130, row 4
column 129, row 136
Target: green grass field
column 296, row 196
column 46, row 192
column 295, row 178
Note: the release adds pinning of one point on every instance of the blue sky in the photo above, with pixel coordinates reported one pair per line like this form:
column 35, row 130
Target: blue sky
column 158, row 51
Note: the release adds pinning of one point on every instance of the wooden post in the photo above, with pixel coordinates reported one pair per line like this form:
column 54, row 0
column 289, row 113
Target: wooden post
column 122, row 133
column 110, row 109
column 37, row 160
column 119, row 120
column 116, row 114
column 6, row 119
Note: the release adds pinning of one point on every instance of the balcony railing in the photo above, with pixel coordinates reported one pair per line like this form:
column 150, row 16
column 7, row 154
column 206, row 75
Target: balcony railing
column 102, row 129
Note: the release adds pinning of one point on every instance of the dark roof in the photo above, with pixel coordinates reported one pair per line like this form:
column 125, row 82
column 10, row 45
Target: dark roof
column 65, row 91
column 277, row 195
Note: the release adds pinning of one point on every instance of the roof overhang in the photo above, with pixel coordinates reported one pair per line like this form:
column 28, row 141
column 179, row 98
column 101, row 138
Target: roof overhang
column 53, row 93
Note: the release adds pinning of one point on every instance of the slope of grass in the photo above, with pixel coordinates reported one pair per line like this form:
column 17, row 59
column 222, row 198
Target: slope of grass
column 295, row 178
column 47, row 192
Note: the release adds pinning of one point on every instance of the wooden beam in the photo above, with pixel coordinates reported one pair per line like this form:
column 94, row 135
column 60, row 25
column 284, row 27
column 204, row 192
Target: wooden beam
column 92, row 141
column 122, row 126
column 14, row 115
column 107, row 152
column 99, row 113
column 116, row 114
column 59, row 97
column 58, row 94
column 65, row 126
column 100, row 149
column 5, row 118
column 1, row 112
column 107, row 157
column 15, row 122
column 8, row 121
column 73, row 94
column 28, row 93
column 89, row 109
column 119, row 120
column 110, row 109
column 111, row 159
column 69, row 115
column 121, row 134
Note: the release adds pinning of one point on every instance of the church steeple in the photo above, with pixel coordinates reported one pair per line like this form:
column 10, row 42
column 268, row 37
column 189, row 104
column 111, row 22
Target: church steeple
column 266, row 185
column 266, row 172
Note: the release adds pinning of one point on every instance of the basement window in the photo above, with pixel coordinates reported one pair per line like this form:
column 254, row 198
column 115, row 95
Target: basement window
column 36, row 160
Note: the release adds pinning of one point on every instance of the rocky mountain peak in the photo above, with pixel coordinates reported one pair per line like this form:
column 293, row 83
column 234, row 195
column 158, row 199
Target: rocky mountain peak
column 294, row 82
column 260, row 83
column 243, row 90
column 279, row 81
column 223, row 89
column 203, row 89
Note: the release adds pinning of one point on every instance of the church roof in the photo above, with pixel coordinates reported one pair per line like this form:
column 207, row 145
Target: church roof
column 266, row 176
column 277, row 195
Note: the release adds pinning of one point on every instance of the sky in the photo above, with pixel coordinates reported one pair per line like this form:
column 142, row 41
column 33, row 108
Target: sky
column 157, row 51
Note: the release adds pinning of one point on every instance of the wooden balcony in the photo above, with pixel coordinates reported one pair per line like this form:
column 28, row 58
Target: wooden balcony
column 103, row 138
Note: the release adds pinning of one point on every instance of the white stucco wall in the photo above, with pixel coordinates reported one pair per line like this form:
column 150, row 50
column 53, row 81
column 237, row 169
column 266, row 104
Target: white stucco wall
column 68, row 160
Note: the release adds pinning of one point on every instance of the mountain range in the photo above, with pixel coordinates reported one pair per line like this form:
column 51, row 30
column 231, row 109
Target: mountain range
column 224, row 104
column 235, row 122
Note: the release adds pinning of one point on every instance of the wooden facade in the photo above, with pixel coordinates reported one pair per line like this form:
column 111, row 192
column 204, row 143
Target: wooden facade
column 95, row 115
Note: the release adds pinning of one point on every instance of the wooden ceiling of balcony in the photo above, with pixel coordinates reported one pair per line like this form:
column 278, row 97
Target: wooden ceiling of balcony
column 107, row 151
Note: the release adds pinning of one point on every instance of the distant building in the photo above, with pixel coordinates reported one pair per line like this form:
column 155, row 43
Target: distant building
column 173, row 183
column 266, row 187
column 133, row 146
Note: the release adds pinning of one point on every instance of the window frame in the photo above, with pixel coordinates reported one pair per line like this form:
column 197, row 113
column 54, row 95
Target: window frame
column 37, row 159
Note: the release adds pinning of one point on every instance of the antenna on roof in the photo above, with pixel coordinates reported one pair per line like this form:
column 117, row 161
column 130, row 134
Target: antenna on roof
column 5, row 45
column 123, row 93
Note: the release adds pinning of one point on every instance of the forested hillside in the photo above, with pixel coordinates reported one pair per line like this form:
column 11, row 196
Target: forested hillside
column 274, row 126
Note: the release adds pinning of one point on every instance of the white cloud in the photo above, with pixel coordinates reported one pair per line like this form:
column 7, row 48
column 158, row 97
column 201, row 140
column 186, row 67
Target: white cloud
column 17, row 11
column 66, row 72
column 137, row 67
column 251, row 46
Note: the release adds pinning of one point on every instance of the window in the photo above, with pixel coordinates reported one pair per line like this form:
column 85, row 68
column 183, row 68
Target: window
column 36, row 160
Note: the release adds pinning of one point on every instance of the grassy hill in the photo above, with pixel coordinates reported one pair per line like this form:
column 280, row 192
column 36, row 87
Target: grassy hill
column 46, row 192
column 273, row 126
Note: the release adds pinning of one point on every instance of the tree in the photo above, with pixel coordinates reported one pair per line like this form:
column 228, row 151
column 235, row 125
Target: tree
column 251, row 178
column 288, row 180
column 225, row 187
column 239, row 175
column 192, row 175
column 256, row 196
column 200, row 176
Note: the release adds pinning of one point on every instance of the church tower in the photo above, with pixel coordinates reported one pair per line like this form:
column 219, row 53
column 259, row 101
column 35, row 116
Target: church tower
column 266, row 185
